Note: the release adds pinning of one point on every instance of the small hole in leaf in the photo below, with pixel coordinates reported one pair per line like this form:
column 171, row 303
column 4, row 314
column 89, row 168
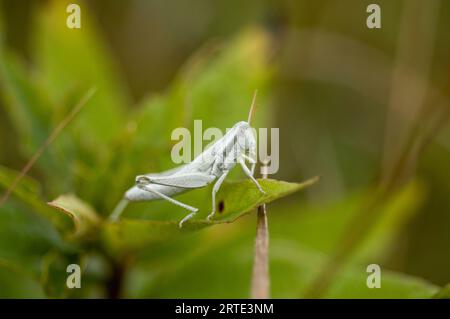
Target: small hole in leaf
column 221, row 206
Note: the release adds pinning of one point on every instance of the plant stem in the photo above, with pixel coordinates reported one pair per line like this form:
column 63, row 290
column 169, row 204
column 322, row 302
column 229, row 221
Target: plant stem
column 260, row 280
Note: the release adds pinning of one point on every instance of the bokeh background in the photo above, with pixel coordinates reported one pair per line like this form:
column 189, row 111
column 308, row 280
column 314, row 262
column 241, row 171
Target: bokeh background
column 366, row 109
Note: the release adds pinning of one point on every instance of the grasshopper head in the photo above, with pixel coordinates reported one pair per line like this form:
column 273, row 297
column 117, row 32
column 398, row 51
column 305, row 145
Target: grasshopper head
column 246, row 138
column 142, row 180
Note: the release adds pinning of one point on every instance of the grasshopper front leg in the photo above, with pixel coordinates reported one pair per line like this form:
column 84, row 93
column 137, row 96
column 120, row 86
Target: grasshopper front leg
column 214, row 192
column 252, row 162
column 249, row 174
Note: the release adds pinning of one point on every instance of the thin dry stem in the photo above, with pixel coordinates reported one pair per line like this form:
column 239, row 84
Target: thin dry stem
column 46, row 143
column 260, row 280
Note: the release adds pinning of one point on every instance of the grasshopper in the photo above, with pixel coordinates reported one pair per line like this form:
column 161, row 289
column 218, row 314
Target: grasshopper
column 214, row 164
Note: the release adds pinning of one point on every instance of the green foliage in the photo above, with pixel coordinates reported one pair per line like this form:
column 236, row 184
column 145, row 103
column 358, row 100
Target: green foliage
column 444, row 293
column 85, row 219
column 237, row 200
column 95, row 160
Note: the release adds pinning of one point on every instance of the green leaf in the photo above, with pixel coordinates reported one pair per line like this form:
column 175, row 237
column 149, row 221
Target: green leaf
column 444, row 293
column 54, row 274
column 238, row 199
column 27, row 106
column 25, row 187
column 25, row 236
column 74, row 61
column 33, row 115
column 25, row 240
column 17, row 284
column 27, row 192
column 84, row 217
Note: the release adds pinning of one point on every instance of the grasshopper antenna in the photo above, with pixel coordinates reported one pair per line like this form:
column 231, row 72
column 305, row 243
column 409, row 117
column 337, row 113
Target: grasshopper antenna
column 252, row 107
column 82, row 102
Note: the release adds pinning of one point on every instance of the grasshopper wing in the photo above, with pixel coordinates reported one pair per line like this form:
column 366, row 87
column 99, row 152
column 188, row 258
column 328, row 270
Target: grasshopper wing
column 171, row 171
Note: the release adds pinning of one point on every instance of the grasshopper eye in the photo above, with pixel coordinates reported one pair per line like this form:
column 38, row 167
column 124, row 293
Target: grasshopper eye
column 142, row 180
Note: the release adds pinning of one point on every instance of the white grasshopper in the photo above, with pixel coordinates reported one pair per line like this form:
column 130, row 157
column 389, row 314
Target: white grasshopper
column 236, row 146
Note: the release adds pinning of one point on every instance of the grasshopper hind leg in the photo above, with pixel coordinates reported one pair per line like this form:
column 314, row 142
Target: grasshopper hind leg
column 173, row 201
column 187, row 217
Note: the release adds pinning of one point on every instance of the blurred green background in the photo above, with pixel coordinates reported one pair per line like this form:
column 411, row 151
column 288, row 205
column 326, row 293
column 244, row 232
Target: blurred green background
column 366, row 109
